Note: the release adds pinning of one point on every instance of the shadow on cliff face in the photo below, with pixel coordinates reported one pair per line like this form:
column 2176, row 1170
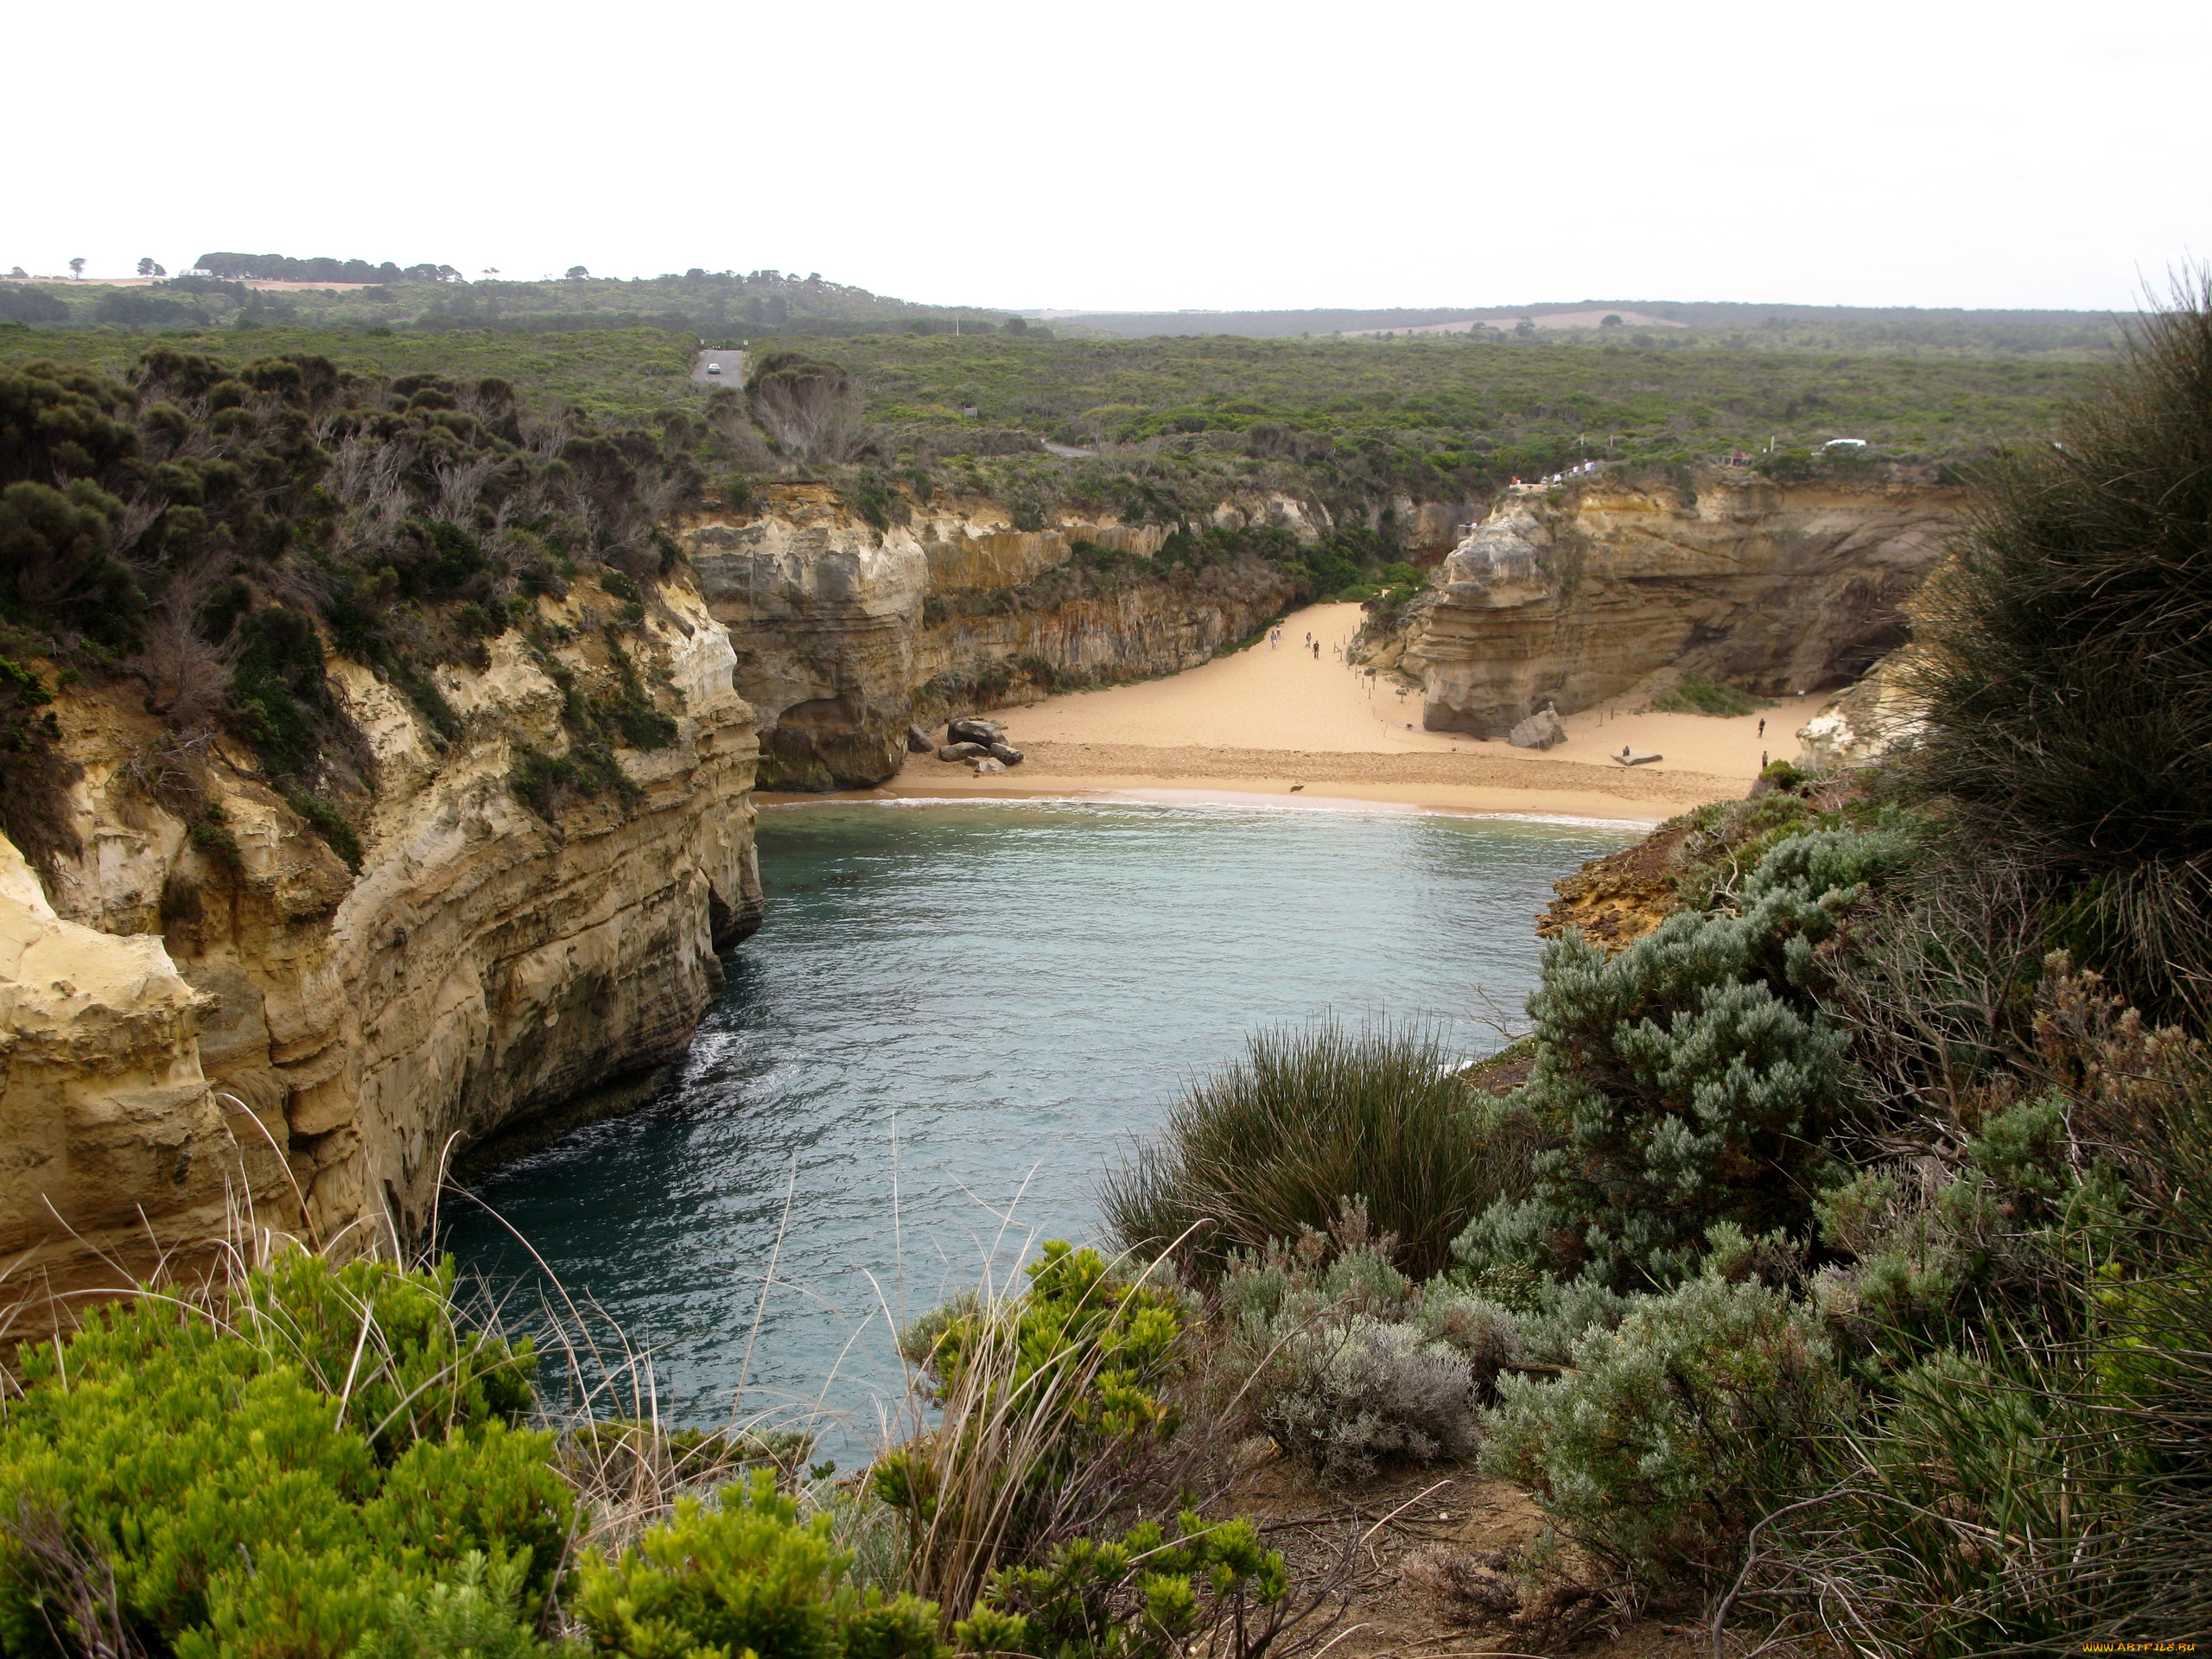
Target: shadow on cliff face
column 828, row 743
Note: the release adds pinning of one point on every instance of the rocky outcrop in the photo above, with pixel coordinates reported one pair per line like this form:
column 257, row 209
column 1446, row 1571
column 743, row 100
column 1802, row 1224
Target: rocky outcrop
column 1616, row 899
column 1865, row 720
column 1574, row 596
column 825, row 611
column 484, row 966
column 1542, row 730
column 992, row 658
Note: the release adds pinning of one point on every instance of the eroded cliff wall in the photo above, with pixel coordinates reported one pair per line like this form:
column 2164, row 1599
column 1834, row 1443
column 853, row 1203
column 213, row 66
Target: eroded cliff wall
column 845, row 630
column 1573, row 596
column 259, row 1015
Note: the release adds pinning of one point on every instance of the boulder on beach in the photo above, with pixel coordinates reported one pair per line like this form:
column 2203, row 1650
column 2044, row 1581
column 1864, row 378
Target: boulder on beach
column 1002, row 752
column 1539, row 731
column 918, row 741
column 986, row 731
column 961, row 751
column 985, row 764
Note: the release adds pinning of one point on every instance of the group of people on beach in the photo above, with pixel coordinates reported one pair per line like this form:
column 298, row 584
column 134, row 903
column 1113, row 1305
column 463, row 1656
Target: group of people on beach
column 1274, row 638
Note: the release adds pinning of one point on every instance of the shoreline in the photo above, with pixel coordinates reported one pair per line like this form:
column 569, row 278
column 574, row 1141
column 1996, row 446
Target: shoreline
column 1526, row 807
column 1475, row 784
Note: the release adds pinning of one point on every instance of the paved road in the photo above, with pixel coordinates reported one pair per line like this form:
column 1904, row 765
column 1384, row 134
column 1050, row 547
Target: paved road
column 731, row 363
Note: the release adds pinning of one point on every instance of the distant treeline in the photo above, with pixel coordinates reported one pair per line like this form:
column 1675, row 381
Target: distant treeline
column 1738, row 325
column 279, row 268
column 712, row 305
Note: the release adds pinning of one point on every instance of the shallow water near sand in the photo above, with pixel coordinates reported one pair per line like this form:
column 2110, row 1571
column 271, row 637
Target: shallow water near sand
column 956, row 1015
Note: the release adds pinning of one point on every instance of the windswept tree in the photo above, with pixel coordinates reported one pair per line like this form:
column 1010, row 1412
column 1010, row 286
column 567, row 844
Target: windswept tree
column 809, row 408
column 575, row 273
column 76, row 266
column 150, row 267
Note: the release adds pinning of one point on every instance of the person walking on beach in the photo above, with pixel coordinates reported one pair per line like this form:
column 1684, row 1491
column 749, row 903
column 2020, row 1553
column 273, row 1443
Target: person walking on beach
column 1317, row 650
column 1762, row 725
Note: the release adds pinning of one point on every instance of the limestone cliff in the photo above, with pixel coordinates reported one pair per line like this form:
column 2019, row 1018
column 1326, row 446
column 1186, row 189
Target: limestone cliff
column 103, row 1107
column 215, row 999
column 844, row 630
column 1572, row 595
column 1865, row 719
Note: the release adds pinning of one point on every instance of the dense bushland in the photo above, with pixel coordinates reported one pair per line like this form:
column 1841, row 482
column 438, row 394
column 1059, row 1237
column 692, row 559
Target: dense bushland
column 317, row 1459
column 1857, row 1285
column 201, row 539
column 1480, row 412
column 2067, row 665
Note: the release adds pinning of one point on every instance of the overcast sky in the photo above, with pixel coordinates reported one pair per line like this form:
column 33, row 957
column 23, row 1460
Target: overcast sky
column 1142, row 155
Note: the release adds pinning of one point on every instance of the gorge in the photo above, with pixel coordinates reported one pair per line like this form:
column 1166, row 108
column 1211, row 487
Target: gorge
column 262, row 1018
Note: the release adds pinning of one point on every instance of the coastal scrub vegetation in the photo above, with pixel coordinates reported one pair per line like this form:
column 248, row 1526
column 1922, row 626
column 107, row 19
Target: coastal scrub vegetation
column 210, row 539
column 1441, row 405
column 1831, row 1262
column 1850, row 1283
column 299, row 1457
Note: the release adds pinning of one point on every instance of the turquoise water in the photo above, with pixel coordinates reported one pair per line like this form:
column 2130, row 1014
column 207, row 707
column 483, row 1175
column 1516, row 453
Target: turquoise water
column 955, row 1016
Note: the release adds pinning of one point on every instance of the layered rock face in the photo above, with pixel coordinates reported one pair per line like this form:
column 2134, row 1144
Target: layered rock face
column 103, row 1107
column 821, row 610
column 1775, row 587
column 839, row 645
column 266, row 1013
column 989, row 659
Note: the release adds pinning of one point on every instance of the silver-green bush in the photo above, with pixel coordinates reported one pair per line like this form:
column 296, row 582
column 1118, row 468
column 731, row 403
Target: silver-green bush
column 1669, row 1437
column 1693, row 1076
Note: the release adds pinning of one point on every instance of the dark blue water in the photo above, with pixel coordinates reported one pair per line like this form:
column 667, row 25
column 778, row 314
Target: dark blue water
column 956, row 1015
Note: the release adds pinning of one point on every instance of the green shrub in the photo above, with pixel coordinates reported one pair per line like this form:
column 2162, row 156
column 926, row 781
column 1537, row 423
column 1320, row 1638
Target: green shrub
column 1938, row 1250
column 744, row 1576
column 1038, row 1397
column 641, row 725
column 1271, row 1147
column 478, row 1612
column 272, row 1477
column 280, row 699
column 330, row 824
column 1211, row 1588
column 543, row 782
column 1693, row 1076
column 1695, row 695
column 1791, row 466
column 1670, row 1437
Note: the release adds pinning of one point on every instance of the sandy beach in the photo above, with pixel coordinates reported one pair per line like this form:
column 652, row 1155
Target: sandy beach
column 1273, row 721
